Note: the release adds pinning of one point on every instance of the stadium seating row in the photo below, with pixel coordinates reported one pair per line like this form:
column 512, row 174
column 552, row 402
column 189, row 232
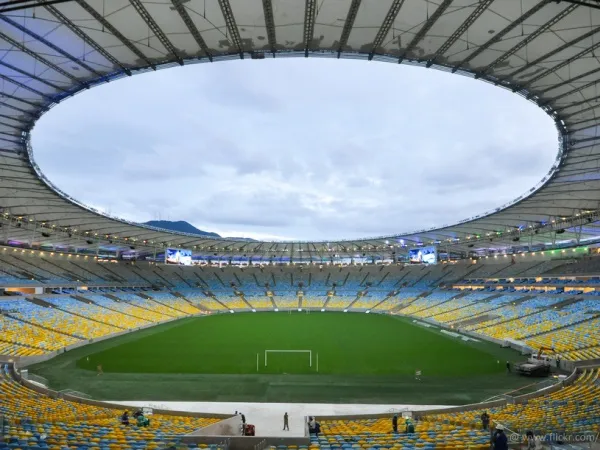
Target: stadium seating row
column 34, row 420
column 575, row 408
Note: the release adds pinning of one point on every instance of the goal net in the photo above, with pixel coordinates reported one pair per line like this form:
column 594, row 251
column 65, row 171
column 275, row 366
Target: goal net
column 289, row 361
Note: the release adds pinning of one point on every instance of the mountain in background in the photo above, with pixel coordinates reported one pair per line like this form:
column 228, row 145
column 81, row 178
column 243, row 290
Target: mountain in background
column 185, row 227
column 180, row 226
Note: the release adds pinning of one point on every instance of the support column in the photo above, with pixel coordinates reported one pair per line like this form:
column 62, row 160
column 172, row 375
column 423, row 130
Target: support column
column 33, row 234
column 6, row 230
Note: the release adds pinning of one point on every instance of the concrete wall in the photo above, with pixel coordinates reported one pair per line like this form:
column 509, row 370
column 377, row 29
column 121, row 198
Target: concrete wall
column 246, row 442
column 227, row 427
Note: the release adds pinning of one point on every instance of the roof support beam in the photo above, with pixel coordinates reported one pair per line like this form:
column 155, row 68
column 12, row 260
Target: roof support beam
column 22, row 100
column 22, row 111
column 85, row 38
column 566, row 62
column 49, row 44
column 589, row 108
column 424, row 29
column 232, row 28
column 26, row 87
column 16, row 119
column 270, row 24
column 581, row 102
column 388, row 21
column 115, row 32
column 310, row 16
column 348, row 24
column 571, row 92
column 538, row 32
column 545, row 56
column 10, row 140
column 501, row 34
column 478, row 11
column 18, row 5
column 191, row 26
column 40, row 59
column 32, row 76
column 158, row 32
column 570, row 81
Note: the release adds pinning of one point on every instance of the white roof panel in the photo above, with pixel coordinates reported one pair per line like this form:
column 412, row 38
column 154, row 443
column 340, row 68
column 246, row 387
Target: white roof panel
column 544, row 50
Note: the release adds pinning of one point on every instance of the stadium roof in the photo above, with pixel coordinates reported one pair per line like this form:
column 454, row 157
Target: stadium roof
column 543, row 50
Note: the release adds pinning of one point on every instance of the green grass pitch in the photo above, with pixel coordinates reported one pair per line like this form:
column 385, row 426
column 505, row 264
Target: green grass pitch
column 346, row 344
column 363, row 358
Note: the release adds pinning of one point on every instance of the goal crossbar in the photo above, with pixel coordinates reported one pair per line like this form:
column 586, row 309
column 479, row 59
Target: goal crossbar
column 290, row 351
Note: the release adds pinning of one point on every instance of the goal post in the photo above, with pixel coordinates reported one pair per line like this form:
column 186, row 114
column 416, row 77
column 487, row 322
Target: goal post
column 289, row 351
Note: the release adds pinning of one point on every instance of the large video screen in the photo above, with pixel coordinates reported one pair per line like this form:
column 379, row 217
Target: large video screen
column 178, row 256
column 424, row 255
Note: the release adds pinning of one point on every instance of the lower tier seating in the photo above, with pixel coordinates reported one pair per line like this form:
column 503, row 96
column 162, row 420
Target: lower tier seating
column 33, row 420
column 575, row 408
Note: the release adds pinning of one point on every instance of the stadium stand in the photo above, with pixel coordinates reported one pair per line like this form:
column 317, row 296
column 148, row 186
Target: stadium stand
column 56, row 319
column 33, row 420
column 574, row 408
column 286, row 300
column 403, row 297
column 446, row 311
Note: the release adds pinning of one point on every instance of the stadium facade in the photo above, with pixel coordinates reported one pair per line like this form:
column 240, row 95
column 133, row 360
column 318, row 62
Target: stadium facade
column 542, row 50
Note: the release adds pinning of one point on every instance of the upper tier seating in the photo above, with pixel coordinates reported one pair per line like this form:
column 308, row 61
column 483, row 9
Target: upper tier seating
column 174, row 302
column 40, row 339
column 433, row 299
column 56, row 319
column 258, row 300
column 511, row 311
column 196, row 297
column 404, row 296
column 440, row 311
column 580, row 341
column 314, row 300
column 370, row 300
column 144, row 316
column 286, row 300
column 150, row 305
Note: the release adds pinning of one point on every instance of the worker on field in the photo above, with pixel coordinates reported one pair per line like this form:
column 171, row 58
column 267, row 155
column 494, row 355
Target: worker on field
column 395, row 423
column 507, row 366
column 99, row 369
column 286, row 425
column 500, row 440
column 418, row 375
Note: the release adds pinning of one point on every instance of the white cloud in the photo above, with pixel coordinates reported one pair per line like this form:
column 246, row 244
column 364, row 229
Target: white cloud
column 305, row 149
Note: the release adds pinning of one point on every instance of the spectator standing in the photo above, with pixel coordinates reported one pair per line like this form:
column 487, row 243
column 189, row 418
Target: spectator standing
column 485, row 420
column 395, row 423
column 500, row 440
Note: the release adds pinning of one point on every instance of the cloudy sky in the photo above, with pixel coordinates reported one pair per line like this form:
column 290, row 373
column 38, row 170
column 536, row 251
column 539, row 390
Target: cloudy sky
column 296, row 148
